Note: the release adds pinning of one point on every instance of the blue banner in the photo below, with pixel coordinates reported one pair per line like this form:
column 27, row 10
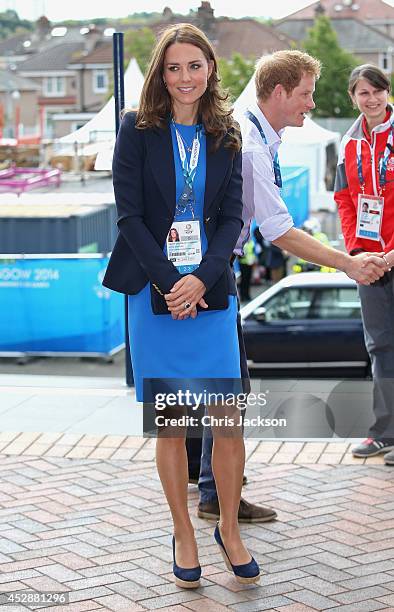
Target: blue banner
column 58, row 305
column 295, row 192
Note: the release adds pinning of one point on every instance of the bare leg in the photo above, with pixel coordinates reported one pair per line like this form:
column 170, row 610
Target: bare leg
column 228, row 462
column 171, row 461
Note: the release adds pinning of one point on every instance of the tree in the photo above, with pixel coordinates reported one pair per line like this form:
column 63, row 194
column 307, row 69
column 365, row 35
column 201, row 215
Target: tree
column 236, row 73
column 11, row 24
column 139, row 44
column 331, row 95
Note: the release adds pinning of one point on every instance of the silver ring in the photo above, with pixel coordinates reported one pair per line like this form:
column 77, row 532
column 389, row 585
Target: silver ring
column 186, row 305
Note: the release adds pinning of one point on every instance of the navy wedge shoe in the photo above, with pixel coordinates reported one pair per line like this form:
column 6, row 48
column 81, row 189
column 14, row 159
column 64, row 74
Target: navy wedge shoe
column 185, row 578
column 247, row 573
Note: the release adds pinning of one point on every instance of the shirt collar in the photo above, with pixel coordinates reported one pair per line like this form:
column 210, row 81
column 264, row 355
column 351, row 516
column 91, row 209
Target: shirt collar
column 273, row 138
column 385, row 124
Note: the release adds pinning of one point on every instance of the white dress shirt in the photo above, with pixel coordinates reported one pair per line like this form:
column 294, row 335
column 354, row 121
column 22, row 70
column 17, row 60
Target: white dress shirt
column 261, row 196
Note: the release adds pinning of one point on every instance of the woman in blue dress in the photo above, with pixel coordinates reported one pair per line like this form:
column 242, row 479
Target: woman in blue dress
column 178, row 188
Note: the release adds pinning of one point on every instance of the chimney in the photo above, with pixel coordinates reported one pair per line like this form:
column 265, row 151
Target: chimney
column 43, row 28
column 91, row 38
column 167, row 14
column 319, row 10
column 206, row 20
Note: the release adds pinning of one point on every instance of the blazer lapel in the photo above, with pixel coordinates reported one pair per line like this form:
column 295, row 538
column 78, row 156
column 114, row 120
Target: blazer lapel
column 217, row 166
column 161, row 160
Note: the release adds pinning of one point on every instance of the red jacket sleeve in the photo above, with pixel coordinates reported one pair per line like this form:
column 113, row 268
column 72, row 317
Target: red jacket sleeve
column 347, row 208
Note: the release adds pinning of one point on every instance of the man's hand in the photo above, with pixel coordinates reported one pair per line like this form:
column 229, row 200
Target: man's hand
column 189, row 290
column 366, row 268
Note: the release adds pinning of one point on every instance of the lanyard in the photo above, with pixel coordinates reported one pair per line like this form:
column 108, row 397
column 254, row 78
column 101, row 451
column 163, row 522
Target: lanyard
column 189, row 169
column 277, row 172
column 383, row 163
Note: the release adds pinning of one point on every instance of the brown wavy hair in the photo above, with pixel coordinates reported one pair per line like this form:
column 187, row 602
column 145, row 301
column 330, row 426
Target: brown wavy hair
column 155, row 102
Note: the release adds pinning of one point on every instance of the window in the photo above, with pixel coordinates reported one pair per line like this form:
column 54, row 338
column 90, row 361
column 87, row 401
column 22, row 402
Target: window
column 336, row 303
column 100, row 81
column 54, row 86
column 289, row 304
column 311, row 303
column 48, row 124
column 385, row 61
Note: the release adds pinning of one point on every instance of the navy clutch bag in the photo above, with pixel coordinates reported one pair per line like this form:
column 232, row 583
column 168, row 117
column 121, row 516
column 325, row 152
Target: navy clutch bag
column 216, row 297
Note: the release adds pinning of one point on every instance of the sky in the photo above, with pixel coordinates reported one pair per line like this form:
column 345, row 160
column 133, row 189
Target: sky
column 56, row 10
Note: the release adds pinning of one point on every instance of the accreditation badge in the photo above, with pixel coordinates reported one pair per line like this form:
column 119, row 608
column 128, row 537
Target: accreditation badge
column 184, row 245
column 369, row 216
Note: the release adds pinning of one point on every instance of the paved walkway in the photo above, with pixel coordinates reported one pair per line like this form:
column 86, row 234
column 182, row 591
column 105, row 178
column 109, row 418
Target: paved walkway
column 82, row 512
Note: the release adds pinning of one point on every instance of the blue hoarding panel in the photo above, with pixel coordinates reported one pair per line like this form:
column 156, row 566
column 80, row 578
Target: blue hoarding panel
column 58, row 305
column 295, row 192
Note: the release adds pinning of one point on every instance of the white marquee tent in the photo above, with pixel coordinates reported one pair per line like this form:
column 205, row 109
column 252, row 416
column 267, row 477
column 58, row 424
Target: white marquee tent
column 101, row 128
column 304, row 146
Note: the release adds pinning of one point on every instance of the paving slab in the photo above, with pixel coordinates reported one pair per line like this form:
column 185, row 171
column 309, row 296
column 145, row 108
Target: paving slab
column 82, row 511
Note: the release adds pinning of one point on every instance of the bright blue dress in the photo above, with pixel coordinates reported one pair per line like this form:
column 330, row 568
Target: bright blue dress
column 204, row 347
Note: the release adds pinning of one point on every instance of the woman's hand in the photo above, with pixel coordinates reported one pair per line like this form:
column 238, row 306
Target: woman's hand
column 184, row 297
column 389, row 260
column 190, row 312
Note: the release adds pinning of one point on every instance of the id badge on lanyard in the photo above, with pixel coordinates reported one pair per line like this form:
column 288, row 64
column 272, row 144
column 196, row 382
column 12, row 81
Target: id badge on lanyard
column 184, row 245
column 370, row 208
column 369, row 216
column 184, row 248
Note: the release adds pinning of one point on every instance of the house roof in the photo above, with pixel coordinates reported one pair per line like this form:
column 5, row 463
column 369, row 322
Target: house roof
column 14, row 44
column 54, row 58
column 353, row 35
column 10, row 81
column 360, row 9
column 101, row 54
column 248, row 37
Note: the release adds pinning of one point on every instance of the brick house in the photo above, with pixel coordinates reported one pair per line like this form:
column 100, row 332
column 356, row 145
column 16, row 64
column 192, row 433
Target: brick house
column 74, row 79
column 246, row 36
column 375, row 13
column 49, row 70
column 73, row 66
column 18, row 105
column 363, row 41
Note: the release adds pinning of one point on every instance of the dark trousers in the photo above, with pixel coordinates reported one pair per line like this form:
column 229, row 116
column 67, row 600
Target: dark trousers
column 246, row 277
column 377, row 307
column 194, row 449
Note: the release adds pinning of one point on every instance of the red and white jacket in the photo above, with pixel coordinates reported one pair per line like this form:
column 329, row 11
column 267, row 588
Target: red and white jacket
column 347, row 184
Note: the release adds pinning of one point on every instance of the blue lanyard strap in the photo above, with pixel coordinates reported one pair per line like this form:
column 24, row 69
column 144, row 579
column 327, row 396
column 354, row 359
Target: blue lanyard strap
column 387, row 152
column 383, row 164
column 359, row 164
column 275, row 160
column 189, row 169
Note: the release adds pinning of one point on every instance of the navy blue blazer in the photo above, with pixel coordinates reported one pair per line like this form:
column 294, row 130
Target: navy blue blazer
column 144, row 184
